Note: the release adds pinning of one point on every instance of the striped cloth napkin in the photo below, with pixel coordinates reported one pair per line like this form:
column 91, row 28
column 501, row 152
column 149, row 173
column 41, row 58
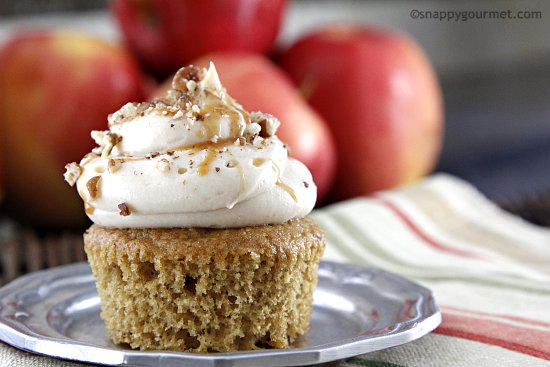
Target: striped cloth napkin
column 489, row 271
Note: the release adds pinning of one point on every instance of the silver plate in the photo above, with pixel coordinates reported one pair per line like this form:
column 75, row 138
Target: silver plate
column 356, row 310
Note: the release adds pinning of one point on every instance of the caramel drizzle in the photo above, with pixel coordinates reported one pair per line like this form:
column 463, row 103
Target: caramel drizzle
column 259, row 161
column 204, row 166
column 281, row 184
column 287, row 189
column 197, row 147
column 243, row 182
column 212, row 119
column 88, row 208
column 212, row 150
column 212, row 128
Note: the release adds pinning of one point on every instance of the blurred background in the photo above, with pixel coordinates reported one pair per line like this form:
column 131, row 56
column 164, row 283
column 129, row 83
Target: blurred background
column 493, row 74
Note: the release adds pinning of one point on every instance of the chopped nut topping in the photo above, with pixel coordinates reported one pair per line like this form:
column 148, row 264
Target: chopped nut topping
column 72, row 173
column 128, row 111
column 114, row 165
column 89, row 157
column 258, row 141
column 269, row 124
column 217, row 169
column 191, row 85
column 182, row 170
column 124, row 210
column 93, row 186
column 106, row 140
column 252, row 129
column 152, row 155
column 163, row 165
column 183, row 75
column 240, row 141
column 184, row 100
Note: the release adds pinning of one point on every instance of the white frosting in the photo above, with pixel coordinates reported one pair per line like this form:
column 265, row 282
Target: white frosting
column 179, row 170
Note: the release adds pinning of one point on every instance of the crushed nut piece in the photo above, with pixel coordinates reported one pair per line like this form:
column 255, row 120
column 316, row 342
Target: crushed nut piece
column 252, row 129
column 128, row 111
column 240, row 141
column 114, row 165
column 72, row 173
column 93, row 186
column 191, row 85
column 217, row 169
column 163, row 165
column 89, row 157
column 269, row 124
column 152, row 155
column 124, row 210
column 106, row 140
column 182, row 170
column 258, row 141
column 184, row 75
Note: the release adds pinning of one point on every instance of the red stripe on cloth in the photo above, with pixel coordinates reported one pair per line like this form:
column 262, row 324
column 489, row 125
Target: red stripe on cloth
column 527, row 341
column 421, row 234
column 501, row 316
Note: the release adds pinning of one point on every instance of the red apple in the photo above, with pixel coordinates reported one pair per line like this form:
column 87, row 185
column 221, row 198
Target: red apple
column 166, row 35
column 259, row 85
column 381, row 99
column 55, row 87
column 1, row 168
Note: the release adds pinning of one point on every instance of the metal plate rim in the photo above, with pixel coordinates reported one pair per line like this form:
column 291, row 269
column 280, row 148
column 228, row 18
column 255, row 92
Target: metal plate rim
column 341, row 349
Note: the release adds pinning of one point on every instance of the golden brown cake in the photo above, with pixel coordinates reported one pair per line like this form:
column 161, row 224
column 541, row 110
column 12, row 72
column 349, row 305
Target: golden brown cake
column 206, row 290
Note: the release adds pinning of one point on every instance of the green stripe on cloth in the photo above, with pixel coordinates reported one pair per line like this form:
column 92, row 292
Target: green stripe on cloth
column 364, row 240
column 340, row 245
column 373, row 249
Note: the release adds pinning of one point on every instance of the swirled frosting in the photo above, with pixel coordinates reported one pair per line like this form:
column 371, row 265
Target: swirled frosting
column 194, row 158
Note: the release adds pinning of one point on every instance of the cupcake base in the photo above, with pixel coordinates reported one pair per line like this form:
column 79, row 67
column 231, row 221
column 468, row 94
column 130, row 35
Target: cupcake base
column 206, row 290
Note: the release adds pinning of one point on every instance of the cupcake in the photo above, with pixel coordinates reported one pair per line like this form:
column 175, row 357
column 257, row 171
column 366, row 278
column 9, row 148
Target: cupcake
column 200, row 241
